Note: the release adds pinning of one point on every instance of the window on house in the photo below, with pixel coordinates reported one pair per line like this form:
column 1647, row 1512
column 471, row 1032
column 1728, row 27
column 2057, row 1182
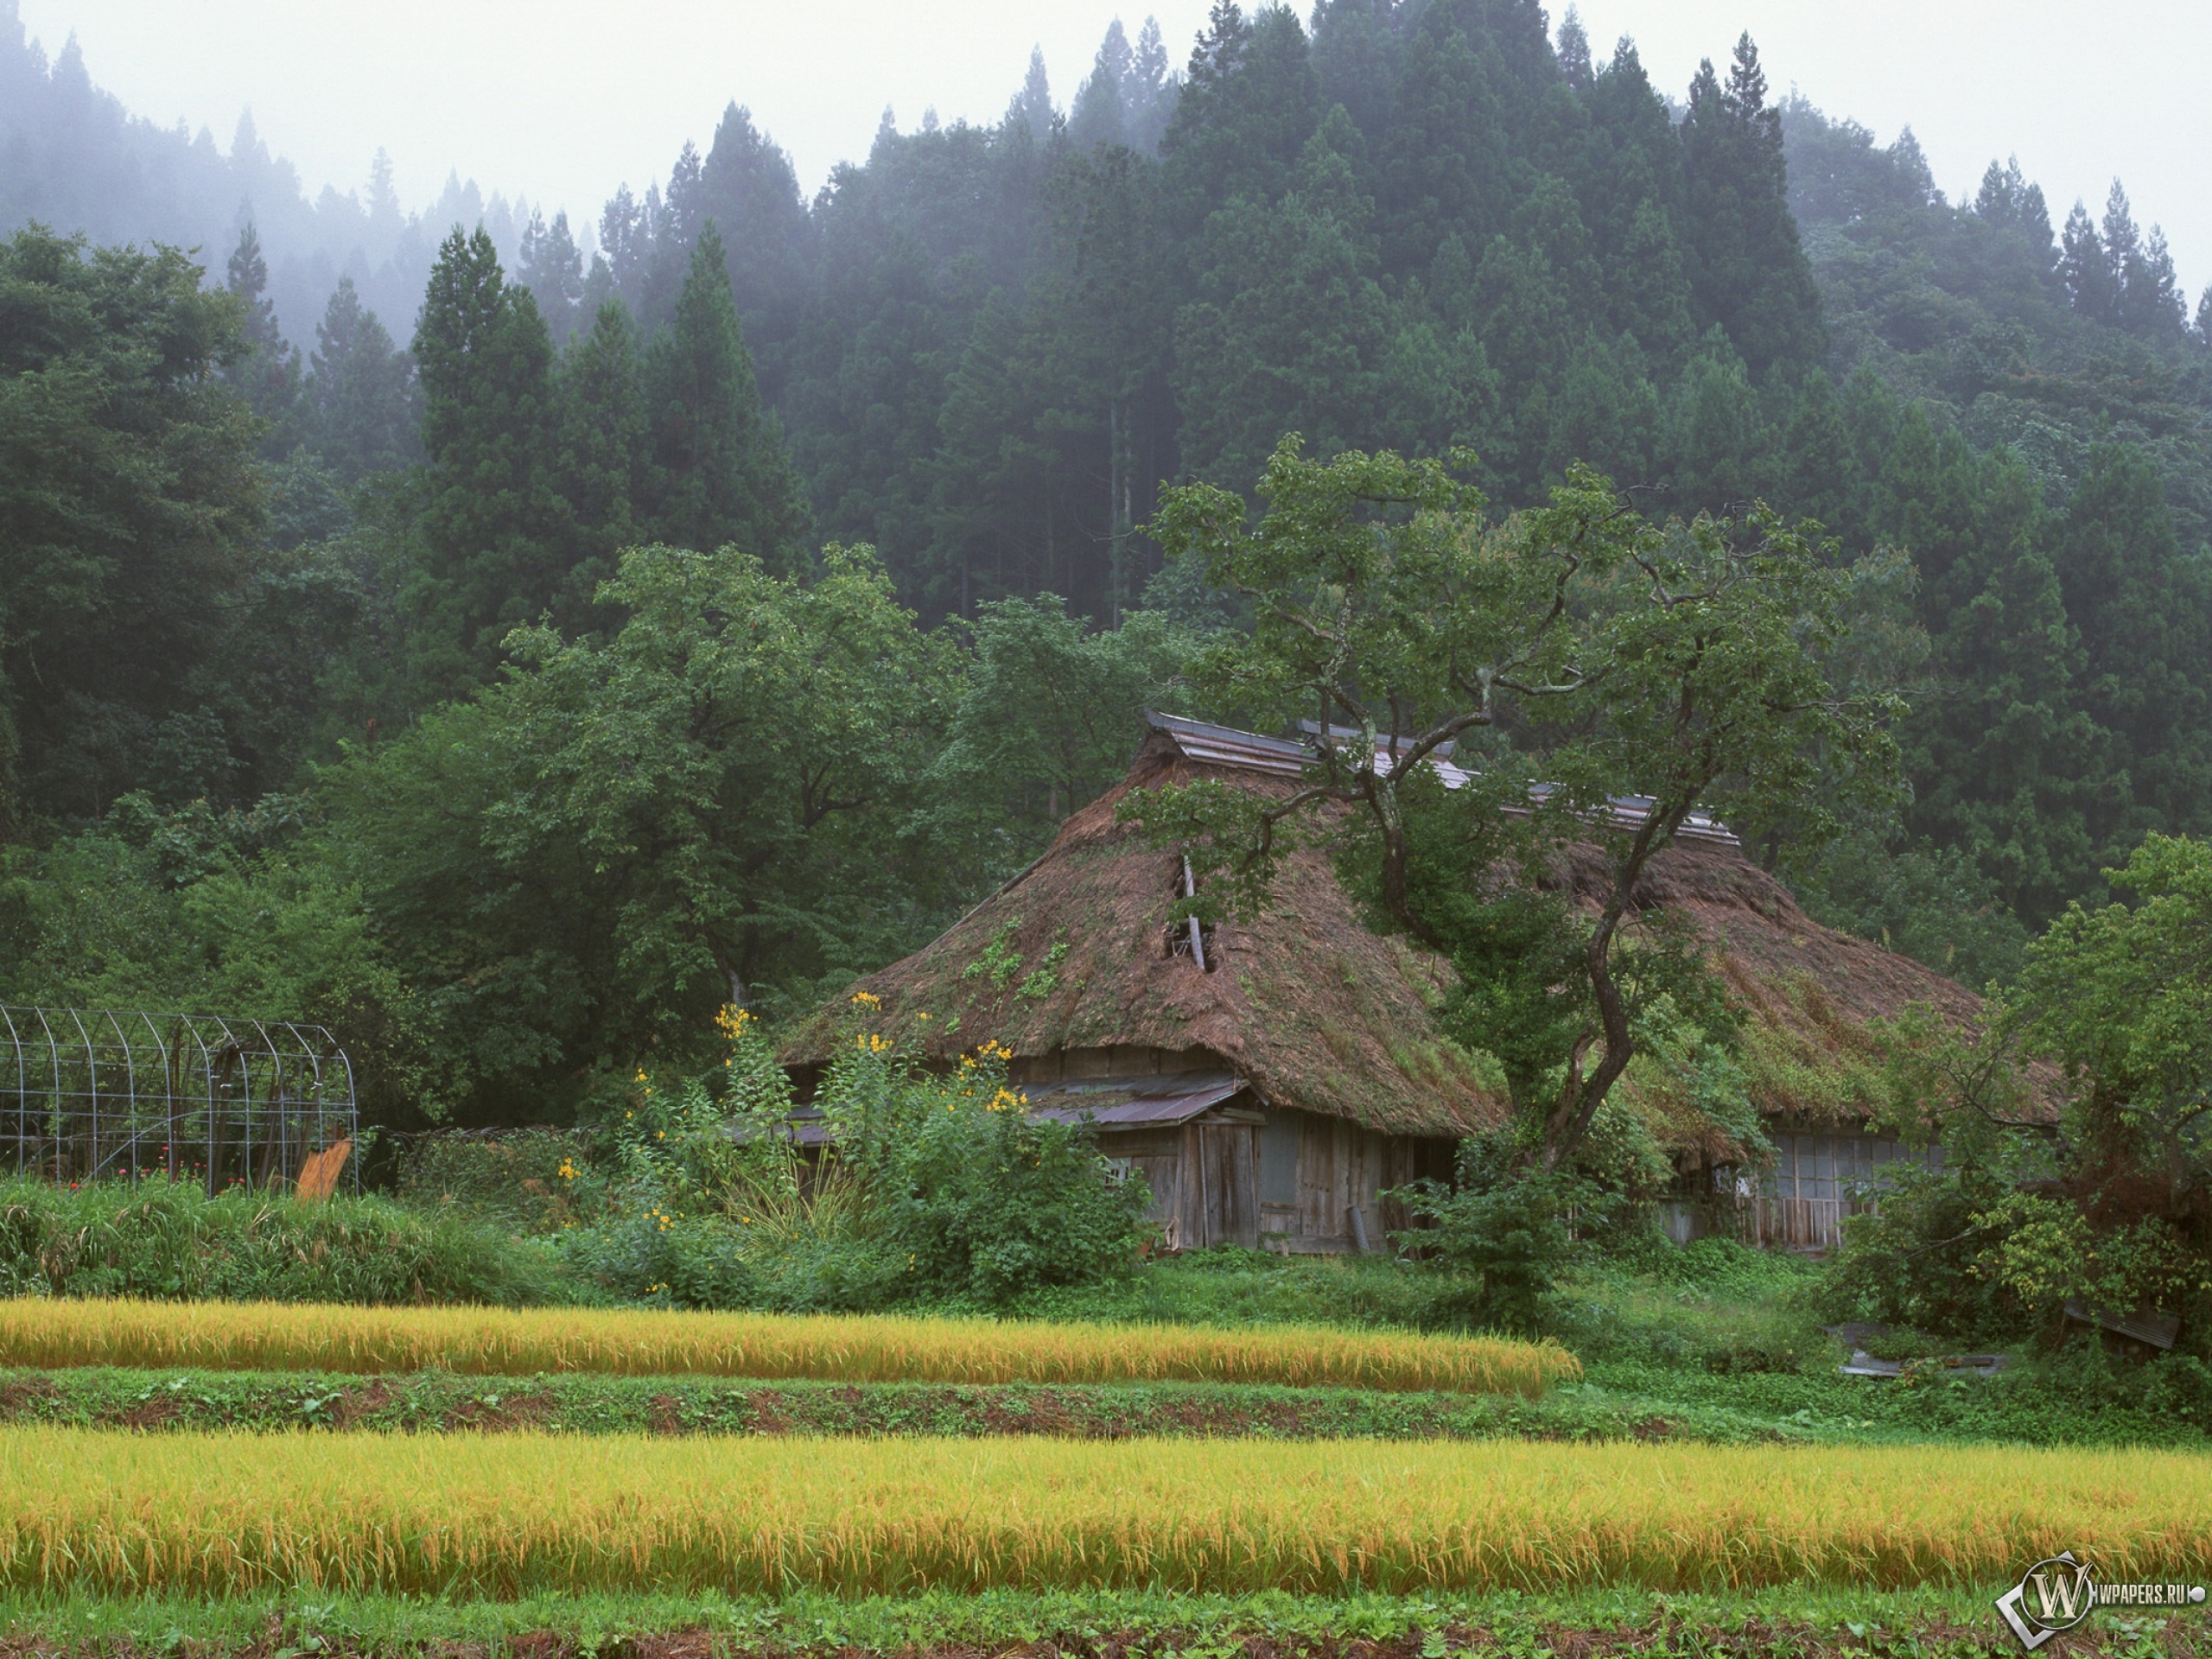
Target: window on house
column 1824, row 1165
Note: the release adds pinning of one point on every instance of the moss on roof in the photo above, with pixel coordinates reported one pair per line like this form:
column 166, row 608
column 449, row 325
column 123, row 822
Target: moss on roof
column 1321, row 1014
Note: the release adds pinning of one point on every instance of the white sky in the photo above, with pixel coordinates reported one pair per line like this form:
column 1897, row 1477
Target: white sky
column 561, row 100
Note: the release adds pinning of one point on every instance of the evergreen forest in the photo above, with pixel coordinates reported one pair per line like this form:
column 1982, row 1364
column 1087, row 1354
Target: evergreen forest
column 508, row 642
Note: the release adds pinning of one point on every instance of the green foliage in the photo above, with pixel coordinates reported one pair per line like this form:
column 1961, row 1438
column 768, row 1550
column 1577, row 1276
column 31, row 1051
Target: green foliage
column 130, row 506
column 491, row 524
column 241, row 912
column 1932, row 904
column 1049, row 714
column 719, row 475
column 1505, row 1226
column 985, row 1203
column 361, row 415
column 532, row 1181
column 2112, row 1207
column 1701, row 666
column 709, row 800
column 930, row 1190
column 170, row 1241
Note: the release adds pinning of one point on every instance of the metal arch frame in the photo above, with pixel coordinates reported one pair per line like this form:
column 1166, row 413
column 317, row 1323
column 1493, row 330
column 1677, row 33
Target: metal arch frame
column 253, row 1098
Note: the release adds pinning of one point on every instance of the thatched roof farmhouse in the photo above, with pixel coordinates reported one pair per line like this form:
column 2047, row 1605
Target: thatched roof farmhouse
column 1272, row 1094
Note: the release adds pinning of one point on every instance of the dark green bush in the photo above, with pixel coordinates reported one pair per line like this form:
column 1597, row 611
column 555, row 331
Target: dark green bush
column 1913, row 1263
column 988, row 1205
column 169, row 1241
column 1504, row 1227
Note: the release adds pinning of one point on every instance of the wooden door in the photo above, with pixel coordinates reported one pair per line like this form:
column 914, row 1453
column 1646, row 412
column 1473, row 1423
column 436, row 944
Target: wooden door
column 1229, row 1184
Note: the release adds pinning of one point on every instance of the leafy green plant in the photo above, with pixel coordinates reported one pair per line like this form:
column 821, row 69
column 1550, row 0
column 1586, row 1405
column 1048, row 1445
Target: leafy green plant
column 1000, row 961
column 926, row 1188
column 536, row 1180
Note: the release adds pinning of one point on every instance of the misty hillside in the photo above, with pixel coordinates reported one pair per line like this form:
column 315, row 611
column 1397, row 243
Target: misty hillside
column 73, row 159
column 982, row 350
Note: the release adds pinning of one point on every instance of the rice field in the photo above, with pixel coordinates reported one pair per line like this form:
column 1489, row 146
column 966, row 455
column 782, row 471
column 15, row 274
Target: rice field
column 491, row 1342
column 94, row 1511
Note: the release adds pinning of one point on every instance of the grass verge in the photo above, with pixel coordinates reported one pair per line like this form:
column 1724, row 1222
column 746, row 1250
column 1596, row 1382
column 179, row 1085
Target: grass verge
column 487, row 1342
column 435, row 1401
column 229, row 1514
column 1800, row 1622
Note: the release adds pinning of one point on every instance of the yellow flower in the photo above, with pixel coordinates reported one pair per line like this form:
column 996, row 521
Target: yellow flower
column 867, row 999
column 660, row 1135
column 923, row 1014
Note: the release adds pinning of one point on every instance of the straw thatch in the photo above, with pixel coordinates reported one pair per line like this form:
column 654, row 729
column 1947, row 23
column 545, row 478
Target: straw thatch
column 1317, row 1013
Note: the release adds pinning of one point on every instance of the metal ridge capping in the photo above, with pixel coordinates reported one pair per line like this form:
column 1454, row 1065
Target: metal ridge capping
column 1226, row 745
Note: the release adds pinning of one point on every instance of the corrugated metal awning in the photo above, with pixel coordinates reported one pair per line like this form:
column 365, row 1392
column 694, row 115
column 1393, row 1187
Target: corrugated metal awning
column 1153, row 1102
column 1224, row 746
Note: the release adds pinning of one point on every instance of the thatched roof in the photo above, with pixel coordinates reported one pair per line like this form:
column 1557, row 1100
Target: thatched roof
column 1314, row 1010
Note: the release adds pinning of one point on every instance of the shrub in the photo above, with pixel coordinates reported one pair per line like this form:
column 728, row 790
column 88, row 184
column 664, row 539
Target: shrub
column 1506, row 1227
column 167, row 1240
column 979, row 1201
column 931, row 1188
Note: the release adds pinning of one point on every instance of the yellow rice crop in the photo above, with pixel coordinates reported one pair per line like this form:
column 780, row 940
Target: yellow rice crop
column 270, row 1336
column 502, row 1515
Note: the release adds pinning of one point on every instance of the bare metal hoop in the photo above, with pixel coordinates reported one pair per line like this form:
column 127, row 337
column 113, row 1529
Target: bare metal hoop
column 104, row 1094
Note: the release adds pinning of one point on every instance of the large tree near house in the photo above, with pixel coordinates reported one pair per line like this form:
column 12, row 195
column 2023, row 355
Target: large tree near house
column 1580, row 645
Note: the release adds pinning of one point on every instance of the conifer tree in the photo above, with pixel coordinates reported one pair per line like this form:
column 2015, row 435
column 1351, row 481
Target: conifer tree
column 552, row 269
column 1032, row 108
column 2143, row 610
column 1097, row 116
column 495, row 534
column 2092, row 285
column 267, row 374
column 1248, row 103
column 1290, row 330
column 720, row 476
column 1148, row 91
column 749, row 188
column 1574, row 52
column 359, row 394
column 1747, row 271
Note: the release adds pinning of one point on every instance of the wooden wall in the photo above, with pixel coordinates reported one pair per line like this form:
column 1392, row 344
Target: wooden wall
column 1343, row 1167
column 1128, row 1060
column 1205, row 1181
column 1291, row 1183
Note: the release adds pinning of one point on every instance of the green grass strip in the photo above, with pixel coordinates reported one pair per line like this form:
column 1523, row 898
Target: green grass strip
column 433, row 1401
column 1791, row 1622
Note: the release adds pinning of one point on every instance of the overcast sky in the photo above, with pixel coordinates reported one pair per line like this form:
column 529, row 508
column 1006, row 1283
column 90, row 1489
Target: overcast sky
column 561, row 101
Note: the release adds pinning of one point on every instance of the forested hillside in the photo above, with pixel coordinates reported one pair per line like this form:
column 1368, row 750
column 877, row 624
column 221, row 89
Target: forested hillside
column 328, row 687
column 73, row 159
